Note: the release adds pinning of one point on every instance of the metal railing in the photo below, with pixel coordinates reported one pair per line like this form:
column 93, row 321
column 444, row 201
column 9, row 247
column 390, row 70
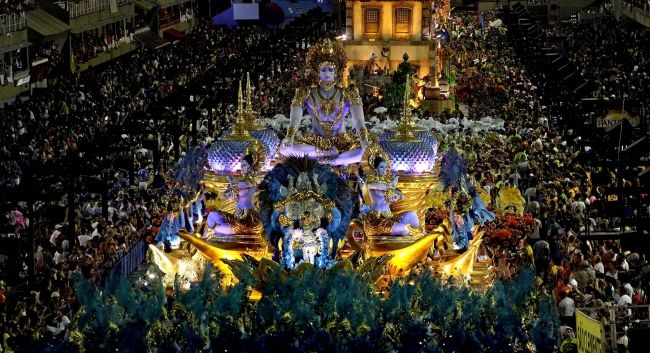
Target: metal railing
column 130, row 262
column 86, row 7
column 12, row 22
column 618, row 315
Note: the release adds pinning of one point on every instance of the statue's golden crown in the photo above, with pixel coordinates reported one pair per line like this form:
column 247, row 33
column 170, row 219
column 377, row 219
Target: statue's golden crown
column 327, row 51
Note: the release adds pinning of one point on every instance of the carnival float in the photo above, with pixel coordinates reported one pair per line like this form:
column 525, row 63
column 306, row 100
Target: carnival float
column 325, row 196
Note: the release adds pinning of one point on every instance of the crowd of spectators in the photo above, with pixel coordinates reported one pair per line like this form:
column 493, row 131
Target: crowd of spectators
column 89, row 44
column 78, row 228
column 565, row 192
column 641, row 4
column 15, row 6
column 618, row 65
column 202, row 72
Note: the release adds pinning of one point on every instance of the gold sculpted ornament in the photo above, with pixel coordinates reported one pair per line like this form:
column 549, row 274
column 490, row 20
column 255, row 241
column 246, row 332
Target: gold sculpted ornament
column 328, row 126
column 256, row 150
column 372, row 152
column 306, row 195
column 327, row 104
column 299, row 97
column 352, row 95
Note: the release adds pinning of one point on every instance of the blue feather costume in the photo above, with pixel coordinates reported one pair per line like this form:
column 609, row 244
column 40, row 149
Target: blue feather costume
column 168, row 231
column 453, row 175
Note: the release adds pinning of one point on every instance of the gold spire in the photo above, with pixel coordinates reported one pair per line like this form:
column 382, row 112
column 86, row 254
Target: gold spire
column 328, row 47
column 239, row 131
column 249, row 100
column 404, row 131
column 251, row 124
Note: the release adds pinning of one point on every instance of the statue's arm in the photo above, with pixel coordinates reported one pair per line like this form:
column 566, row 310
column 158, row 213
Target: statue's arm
column 378, row 186
column 297, row 108
column 356, row 110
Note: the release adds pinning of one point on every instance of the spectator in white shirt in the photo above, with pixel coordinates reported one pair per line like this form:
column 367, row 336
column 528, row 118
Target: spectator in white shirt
column 625, row 300
column 624, row 265
column 598, row 265
column 59, row 255
column 567, row 308
column 55, row 234
column 629, row 290
column 84, row 239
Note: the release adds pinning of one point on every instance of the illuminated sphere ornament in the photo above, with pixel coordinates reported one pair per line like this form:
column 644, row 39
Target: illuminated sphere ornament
column 410, row 157
column 411, row 151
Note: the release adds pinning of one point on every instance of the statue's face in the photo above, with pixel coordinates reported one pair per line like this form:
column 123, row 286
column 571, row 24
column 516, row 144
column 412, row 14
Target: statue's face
column 382, row 168
column 327, row 73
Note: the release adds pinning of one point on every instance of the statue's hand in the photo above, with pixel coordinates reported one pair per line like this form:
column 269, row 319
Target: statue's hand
column 364, row 143
column 395, row 180
column 330, row 152
column 287, row 142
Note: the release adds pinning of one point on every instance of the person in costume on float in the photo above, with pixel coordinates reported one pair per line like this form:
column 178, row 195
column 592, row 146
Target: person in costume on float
column 167, row 236
column 382, row 190
column 463, row 224
column 245, row 220
column 328, row 104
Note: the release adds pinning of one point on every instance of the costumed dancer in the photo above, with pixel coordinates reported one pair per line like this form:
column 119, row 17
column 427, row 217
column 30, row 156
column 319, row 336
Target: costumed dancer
column 167, row 236
column 383, row 191
column 288, row 256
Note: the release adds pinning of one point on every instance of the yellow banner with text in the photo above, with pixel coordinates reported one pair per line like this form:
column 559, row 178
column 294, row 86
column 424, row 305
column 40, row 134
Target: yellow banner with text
column 590, row 334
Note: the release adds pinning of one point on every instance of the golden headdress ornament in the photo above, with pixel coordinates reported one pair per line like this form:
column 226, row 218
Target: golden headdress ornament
column 327, row 47
column 255, row 149
column 327, row 51
column 372, row 152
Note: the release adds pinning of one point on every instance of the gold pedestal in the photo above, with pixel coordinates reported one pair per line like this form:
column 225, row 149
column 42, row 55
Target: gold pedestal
column 415, row 189
column 438, row 106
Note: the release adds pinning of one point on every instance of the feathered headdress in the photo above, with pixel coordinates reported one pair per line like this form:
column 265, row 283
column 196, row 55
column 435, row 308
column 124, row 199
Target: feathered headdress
column 453, row 170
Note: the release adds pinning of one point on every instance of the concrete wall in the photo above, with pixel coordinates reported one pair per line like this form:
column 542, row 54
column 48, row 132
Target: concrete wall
column 7, row 92
column 13, row 38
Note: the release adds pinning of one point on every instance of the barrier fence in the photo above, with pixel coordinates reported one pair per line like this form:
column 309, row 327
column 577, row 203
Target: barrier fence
column 86, row 7
column 130, row 262
column 12, row 22
column 597, row 336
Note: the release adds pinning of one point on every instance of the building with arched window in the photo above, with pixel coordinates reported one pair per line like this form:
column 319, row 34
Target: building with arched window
column 389, row 29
